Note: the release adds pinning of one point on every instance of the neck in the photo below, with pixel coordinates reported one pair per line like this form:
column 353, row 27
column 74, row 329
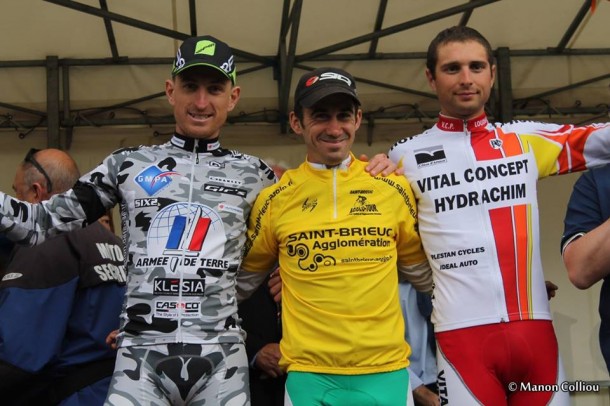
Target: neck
column 195, row 144
column 448, row 123
column 341, row 165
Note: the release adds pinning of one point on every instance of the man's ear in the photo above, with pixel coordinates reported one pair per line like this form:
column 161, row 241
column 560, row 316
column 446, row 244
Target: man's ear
column 358, row 118
column 169, row 91
column 235, row 94
column 431, row 80
column 40, row 192
column 295, row 123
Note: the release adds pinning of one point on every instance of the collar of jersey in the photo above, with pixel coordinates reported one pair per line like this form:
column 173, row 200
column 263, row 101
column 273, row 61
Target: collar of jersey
column 188, row 144
column 447, row 123
column 343, row 165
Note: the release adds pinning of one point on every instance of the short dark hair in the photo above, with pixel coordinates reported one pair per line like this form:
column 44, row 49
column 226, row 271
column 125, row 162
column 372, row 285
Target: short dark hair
column 456, row 34
column 298, row 111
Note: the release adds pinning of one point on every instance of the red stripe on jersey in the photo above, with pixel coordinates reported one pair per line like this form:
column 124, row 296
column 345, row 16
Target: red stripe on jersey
column 522, row 232
column 504, row 236
column 201, row 230
column 571, row 158
column 511, row 227
column 481, row 146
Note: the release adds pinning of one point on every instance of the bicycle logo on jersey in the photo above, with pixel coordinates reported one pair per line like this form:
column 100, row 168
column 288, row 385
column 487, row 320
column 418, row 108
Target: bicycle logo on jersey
column 309, row 264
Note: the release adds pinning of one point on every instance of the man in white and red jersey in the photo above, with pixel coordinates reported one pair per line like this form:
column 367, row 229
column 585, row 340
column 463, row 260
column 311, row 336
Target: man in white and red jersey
column 475, row 186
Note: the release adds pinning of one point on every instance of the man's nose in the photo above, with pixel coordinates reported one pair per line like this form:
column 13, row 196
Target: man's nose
column 202, row 99
column 334, row 127
column 465, row 76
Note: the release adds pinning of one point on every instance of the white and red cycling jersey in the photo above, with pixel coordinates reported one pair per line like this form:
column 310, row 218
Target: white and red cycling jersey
column 475, row 186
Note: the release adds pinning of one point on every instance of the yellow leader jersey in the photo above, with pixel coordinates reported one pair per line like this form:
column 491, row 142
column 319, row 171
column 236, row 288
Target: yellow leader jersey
column 339, row 234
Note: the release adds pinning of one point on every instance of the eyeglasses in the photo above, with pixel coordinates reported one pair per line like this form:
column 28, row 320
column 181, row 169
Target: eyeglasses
column 29, row 157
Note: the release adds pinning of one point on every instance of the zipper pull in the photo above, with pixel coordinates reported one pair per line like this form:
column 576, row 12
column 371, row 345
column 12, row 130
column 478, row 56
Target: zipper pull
column 196, row 151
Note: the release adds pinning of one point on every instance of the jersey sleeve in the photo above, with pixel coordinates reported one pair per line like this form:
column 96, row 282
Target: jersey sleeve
column 30, row 224
column 583, row 213
column 408, row 242
column 416, row 382
column 412, row 263
column 261, row 250
column 561, row 149
column 395, row 155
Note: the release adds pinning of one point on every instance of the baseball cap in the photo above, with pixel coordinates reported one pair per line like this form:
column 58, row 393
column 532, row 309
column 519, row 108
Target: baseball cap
column 322, row 82
column 205, row 51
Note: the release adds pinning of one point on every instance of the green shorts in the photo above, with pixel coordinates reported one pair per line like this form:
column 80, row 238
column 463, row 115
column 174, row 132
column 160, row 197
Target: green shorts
column 381, row 389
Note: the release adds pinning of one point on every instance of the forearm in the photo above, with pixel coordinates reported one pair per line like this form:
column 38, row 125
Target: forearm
column 418, row 275
column 248, row 282
column 587, row 258
column 31, row 224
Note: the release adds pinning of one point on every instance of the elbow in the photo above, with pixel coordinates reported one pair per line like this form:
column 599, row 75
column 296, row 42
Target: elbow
column 580, row 271
column 579, row 279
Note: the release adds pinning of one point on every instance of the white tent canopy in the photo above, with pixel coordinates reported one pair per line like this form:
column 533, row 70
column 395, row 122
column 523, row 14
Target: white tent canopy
column 68, row 64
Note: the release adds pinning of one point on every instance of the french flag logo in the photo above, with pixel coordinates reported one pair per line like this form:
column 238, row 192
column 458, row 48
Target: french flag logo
column 187, row 234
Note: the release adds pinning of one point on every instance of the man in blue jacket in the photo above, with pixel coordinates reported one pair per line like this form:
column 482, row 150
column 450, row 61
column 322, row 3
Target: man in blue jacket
column 584, row 243
column 58, row 301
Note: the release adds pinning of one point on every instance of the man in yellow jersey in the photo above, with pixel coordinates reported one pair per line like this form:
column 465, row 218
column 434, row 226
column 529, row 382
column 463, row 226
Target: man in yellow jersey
column 341, row 237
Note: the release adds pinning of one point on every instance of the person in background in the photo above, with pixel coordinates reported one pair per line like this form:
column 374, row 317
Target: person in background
column 419, row 333
column 585, row 243
column 261, row 319
column 475, row 186
column 107, row 221
column 58, row 300
column 341, row 237
column 6, row 247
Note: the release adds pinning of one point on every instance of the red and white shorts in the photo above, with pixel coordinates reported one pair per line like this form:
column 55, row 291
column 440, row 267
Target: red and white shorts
column 501, row 364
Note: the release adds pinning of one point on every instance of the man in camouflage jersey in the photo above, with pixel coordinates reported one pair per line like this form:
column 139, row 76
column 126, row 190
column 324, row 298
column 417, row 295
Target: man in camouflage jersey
column 184, row 206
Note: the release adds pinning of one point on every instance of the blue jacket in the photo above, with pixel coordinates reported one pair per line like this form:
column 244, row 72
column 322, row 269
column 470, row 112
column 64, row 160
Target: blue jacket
column 589, row 207
column 58, row 302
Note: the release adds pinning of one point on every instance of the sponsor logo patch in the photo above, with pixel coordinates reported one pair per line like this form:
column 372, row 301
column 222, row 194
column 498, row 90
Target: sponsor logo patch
column 172, row 287
column 363, row 207
column 227, row 190
column 430, row 156
column 170, row 309
column 309, row 205
column 495, row 143
column 139, row 203
column 153, row 179
column 12, row 276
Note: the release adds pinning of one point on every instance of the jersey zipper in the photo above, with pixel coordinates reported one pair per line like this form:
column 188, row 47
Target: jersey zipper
column 334, row 193
column 191, row 218
column 502, row 307
column 498, row 284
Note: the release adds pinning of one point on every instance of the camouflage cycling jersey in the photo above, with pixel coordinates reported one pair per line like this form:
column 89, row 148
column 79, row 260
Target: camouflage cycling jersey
column 184, row 207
